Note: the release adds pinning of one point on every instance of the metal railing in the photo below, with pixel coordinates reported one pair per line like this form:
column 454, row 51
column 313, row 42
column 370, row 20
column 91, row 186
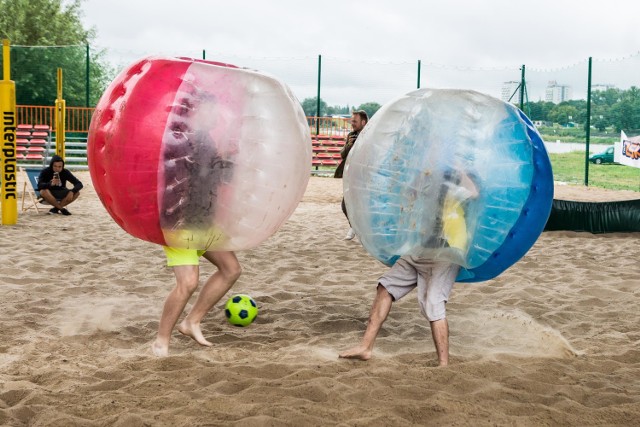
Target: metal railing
column 78, row 120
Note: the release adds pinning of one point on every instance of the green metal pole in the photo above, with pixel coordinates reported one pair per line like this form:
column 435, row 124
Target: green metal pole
column 88, row 80
column 318, row 99
column 522, row 83
column 204, row 54
column 418, row 74
column 588, row 135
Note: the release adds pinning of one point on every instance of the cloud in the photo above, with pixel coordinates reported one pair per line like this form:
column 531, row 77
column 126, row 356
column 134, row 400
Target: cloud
column 370, row 48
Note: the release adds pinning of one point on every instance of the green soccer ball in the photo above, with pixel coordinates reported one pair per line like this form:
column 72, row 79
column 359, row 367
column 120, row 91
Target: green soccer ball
column 240, row 310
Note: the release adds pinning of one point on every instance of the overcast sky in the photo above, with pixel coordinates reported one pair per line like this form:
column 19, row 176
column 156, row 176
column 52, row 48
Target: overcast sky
column 370, row 49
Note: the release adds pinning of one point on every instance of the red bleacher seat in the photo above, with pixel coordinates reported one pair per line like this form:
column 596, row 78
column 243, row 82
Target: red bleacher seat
column 34, row 156
column 38, row 142
column 35, row 134
column 326, row 151
column 36, row 149
column 42, row 127
column 21, row 149
column 22, row 134
column 22, row 141
column 25, row 127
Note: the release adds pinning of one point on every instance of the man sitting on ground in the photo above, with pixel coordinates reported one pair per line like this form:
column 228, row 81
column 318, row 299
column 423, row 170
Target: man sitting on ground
column 52, row 184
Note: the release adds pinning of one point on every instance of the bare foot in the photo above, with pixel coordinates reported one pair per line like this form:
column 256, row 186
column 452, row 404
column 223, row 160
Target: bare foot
column 160, row 350
column 193, row 331
column 360, row 352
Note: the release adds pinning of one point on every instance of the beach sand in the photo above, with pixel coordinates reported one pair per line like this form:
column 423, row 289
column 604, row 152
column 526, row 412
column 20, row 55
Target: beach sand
column 555, row 340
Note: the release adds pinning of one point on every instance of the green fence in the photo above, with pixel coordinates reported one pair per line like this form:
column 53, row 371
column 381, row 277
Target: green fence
column 344, row 84
column 34, row 69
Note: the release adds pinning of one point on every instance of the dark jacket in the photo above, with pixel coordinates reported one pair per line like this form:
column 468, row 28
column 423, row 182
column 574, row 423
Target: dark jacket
column 45, row 177
column 351, row 139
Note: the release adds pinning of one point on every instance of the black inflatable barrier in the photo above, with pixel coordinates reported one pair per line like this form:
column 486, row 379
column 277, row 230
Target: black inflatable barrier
column 594, row 217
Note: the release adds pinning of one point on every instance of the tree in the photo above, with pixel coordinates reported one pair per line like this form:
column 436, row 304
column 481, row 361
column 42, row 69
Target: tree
column 626, row 112
column 370, row 108
column 336, row 109
column 600, row 123
column 611, row 107
column 539, row 110
column 563, row 114
column 50, row 35
column 605, row 97
column 579, row 114
column 310, row 105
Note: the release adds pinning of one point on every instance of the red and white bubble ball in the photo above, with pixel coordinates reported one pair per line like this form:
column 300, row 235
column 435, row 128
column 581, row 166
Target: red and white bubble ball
column 199, row 155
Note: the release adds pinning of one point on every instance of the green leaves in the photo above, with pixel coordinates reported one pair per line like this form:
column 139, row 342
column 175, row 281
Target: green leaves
column 46, row 35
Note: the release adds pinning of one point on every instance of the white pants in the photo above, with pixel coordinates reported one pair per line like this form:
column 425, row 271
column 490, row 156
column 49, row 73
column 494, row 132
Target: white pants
column 434, row 280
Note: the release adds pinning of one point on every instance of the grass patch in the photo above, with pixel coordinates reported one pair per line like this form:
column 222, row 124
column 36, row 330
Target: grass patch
column 578, row 134
column 604, row 140
column 569, row 168
column 323, row 170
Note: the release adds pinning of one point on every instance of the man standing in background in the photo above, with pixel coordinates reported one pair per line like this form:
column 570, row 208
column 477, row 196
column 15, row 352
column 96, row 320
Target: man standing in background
column 359, row 119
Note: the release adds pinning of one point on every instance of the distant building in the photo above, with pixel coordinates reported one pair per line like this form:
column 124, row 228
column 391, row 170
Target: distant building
column 557, row 93
column 511, row 92
column 602, row 86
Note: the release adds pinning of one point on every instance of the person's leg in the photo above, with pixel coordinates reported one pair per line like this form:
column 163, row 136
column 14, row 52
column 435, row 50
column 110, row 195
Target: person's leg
column 186, row 283
column 49, row 198
column 392, row 286
column 219, row 283
column 379, row 312
column 440, row 334
column 344, row 209
column 350, row 233
column 435, row 282
column 69, row 198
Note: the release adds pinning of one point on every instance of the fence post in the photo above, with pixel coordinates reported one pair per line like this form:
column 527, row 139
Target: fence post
column 588, row 134
column 8, row 164
column 418, row 74
column 522, row 83
column 88, row 79
column 60, row 118
column 318, row 100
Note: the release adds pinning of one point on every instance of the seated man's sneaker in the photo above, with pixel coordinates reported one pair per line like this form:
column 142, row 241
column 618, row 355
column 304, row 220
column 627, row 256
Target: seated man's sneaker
column 53, row 211
column 64, row 211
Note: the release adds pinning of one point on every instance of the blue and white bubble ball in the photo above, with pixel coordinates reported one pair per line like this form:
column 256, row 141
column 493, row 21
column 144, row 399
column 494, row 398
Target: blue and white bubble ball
column 406, row 182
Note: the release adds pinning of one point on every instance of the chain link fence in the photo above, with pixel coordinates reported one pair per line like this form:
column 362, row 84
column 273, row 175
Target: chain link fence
column 347, row 84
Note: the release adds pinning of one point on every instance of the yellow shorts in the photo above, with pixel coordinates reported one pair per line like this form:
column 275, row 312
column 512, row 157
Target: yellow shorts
column 179, row 256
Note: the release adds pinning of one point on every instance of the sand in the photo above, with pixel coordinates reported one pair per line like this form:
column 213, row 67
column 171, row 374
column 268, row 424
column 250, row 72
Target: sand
column 555, row 340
